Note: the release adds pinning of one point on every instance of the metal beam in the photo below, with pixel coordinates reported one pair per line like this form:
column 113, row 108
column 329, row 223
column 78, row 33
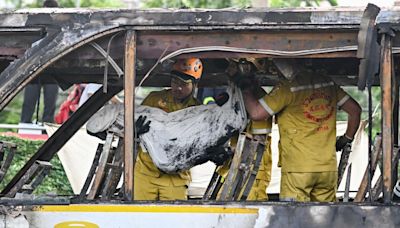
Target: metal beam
column 129, row 86
column 387, row 127
column 150, row 45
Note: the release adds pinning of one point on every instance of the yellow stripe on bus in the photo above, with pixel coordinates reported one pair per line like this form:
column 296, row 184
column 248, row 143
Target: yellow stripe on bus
column 147, row 208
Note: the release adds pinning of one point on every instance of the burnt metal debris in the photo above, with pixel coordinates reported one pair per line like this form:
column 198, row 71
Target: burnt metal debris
column 51, row 37
column 67, row 46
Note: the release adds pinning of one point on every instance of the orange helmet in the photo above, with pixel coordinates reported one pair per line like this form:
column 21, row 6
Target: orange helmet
column 190, row 68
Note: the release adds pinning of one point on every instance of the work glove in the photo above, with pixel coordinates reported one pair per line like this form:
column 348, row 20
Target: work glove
column 142, row 126
column 221, row 99
column 342, row 141
column 244, row 82
column 257, row 90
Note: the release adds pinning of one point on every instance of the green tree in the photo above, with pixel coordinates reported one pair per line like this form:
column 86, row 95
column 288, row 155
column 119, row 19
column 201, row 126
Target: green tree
column 11, row 113
column 56, row 182
column 297, row 3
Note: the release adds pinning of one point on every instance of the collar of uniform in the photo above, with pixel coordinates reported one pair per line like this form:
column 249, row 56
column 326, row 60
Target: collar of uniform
column 187, row 100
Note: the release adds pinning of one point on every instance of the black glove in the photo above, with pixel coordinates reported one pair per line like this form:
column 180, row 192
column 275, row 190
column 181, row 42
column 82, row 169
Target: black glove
column 221, row 99
column 258, row 91
column 342, row 141
column 141, row 126
column 243, row 82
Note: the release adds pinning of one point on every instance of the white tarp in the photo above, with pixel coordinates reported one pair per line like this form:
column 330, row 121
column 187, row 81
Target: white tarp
column 179, row 140
column 76, row 155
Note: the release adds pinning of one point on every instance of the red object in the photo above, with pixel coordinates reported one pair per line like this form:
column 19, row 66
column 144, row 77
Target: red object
column 42, row 137
column 70, row 105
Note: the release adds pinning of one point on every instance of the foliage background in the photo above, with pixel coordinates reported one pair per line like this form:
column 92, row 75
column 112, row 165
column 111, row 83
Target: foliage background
column 55, row 183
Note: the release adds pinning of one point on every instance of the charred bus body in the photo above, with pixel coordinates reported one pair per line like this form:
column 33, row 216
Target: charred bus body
column 119, row 48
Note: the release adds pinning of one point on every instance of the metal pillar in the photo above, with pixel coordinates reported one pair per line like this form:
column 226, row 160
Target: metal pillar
column 129, row 91
column 395, row 112
column 395, row 125
column 387, row 121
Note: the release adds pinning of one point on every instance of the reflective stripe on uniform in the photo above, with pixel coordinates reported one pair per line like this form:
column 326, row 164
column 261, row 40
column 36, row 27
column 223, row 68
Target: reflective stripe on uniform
column 207, row 100
column 266, row 107
column 314, row 86
column 343, row 100
column 261, row 131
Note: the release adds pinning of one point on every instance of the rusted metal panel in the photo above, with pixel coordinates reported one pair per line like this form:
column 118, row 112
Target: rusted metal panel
column 387, row 127
column 11, row 52
column 15, row 41
column 152, row 45
column 368, row 47
column 129, row 90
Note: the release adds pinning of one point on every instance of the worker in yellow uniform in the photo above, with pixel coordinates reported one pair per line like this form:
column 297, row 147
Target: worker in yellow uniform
column 261, row 130
column 306, row 108
column 150, row 182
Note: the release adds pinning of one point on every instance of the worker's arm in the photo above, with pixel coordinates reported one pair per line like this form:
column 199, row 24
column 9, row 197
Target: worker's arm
column 254, row 108
column 353, row 110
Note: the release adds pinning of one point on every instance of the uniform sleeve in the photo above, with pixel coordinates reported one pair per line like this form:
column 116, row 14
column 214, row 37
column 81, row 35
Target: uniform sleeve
column 260, row 127
column 149, row 100
column 277, row 99
column 341, row 96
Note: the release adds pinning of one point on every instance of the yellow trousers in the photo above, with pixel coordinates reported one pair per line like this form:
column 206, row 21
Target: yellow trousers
column 305, row 187
column 149, row 188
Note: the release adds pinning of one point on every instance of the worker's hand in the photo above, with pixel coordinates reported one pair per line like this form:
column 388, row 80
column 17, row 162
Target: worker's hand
column 342, row 141
column 142, row 126
column 244, row 82
column 221, row 99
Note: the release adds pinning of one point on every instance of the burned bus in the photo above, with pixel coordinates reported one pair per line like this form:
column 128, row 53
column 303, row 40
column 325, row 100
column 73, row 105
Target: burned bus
column 125, row 49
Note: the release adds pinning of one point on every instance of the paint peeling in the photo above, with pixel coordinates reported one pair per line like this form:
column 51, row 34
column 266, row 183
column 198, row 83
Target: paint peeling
column 252, row 20
column 264, row 217
column 336, row 17
column 14, row 20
